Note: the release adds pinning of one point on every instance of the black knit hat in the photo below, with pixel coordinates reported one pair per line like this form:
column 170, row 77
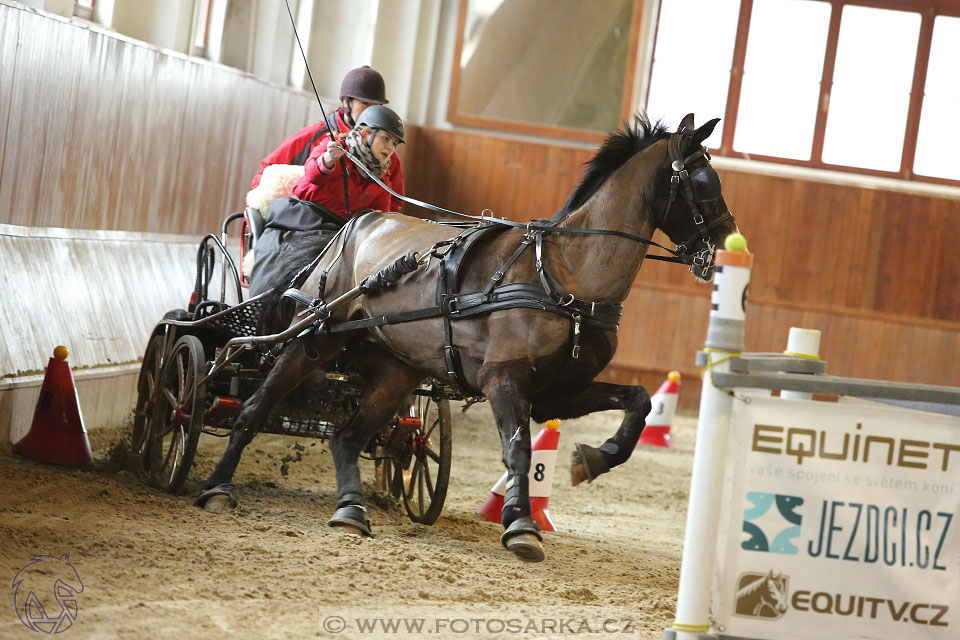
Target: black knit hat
column 364, row 83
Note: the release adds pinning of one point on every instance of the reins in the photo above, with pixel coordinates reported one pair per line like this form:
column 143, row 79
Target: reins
column 676, row 256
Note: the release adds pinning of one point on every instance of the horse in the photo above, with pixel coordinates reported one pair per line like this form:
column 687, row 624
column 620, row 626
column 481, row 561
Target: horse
column 763, row 597
column 547, row 330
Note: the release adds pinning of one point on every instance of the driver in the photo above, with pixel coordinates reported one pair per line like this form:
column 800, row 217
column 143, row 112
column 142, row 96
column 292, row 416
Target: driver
column 361, row 87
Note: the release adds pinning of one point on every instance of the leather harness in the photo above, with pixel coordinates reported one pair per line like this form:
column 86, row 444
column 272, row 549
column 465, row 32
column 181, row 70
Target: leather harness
column 451, row 304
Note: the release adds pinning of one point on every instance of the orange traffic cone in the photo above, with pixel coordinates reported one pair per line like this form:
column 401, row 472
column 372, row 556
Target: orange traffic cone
column 57, row 434
column 657, row 430
column 543, row 460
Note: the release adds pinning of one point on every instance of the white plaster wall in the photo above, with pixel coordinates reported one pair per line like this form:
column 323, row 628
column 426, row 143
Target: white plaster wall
column 165, row 23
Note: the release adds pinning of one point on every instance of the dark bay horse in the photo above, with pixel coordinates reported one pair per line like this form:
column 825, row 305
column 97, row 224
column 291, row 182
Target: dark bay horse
column 529, row 363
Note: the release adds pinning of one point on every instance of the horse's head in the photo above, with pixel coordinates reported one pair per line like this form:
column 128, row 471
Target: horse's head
column 691, row 209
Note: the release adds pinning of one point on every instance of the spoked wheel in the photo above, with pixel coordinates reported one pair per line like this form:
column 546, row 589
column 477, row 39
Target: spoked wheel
column 178, row 416
column 146, row 399
column 425, row 466
column 389, row 476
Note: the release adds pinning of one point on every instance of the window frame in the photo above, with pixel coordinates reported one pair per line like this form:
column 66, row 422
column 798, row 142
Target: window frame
column 929, row 10
column 627, row 100
column 84, row 12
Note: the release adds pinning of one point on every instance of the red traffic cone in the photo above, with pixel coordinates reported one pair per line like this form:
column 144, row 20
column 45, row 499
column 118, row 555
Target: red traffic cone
column 543, row 460
column 57, row 434
column 656, row 432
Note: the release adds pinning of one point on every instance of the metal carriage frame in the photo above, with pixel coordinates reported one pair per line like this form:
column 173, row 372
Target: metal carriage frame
column 200, row 364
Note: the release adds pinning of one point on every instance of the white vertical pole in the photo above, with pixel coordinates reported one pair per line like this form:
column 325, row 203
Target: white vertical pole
column 724, row 339
column 802, row 343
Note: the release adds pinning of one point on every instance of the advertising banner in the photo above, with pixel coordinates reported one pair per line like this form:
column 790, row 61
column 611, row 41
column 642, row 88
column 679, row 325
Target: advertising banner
column 839, row 521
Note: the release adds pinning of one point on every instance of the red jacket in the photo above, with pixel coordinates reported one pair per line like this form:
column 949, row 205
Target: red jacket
column 292, row 146
column 326, row 189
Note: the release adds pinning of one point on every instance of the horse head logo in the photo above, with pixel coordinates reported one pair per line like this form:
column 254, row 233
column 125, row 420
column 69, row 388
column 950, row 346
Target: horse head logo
column 762, row 595
column 45, row 593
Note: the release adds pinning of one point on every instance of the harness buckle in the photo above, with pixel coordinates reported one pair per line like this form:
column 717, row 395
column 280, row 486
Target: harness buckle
column 567, row 300
column 451, row 305
column 698, row 218
column 497, row 277
column 576, row 337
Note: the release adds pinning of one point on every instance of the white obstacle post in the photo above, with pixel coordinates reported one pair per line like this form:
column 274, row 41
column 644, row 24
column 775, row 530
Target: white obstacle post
column 802, row 343
column 724, row 340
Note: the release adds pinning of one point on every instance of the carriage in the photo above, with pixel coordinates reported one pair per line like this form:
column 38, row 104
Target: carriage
column 537, row 307
column 202, row 362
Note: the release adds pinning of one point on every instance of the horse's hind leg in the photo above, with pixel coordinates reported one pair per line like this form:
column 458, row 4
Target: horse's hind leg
column 387, row 381
column 504, row 385
column 589, row 462
column 297, row 361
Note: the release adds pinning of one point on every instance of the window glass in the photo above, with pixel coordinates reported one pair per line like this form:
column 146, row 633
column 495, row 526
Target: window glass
column 691, row 71
column 545, row 62
column 939, row 135
column 778, row 84
column 870, row 97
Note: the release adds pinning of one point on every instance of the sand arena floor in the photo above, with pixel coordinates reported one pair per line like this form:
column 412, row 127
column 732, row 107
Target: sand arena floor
column 153, row 566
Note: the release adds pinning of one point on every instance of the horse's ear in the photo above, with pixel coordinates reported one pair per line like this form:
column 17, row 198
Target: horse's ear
column 704, row 131
column 686, row 123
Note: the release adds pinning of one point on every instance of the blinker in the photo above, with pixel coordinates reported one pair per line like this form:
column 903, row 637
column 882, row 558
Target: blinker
column 706, row 184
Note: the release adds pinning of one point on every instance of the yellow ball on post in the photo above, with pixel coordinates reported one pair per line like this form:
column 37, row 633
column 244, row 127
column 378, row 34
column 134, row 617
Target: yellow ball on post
column 60, row 353
column 735, row 242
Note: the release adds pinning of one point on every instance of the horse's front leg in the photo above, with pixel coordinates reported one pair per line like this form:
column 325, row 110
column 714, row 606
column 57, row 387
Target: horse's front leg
column 505, row 386
column 589, row 462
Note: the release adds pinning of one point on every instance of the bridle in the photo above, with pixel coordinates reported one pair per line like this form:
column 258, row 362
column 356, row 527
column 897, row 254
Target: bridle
column 683, row 181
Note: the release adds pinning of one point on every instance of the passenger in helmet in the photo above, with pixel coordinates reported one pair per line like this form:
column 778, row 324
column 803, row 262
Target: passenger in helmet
column 299, row 227
column 361, row 88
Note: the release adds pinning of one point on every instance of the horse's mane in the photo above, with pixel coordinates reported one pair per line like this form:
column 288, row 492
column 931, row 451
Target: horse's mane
column 617, row 148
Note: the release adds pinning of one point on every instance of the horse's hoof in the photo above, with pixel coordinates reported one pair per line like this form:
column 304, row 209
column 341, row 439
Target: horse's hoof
column 218, row 499
column 526, row 547
column 348, row 529
column 351, row 519
column 523, row 539
column 219, row 504
column 586, row 463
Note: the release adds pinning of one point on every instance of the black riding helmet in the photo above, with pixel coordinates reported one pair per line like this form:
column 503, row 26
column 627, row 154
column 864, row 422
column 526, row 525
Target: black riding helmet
column 364, row 83
column 381, row 118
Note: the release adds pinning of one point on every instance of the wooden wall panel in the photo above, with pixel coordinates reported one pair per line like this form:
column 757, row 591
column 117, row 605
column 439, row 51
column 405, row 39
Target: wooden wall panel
column 876, row 271
column 101, row 132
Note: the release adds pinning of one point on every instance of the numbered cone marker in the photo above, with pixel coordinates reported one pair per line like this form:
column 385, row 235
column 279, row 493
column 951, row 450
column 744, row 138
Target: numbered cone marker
column 656, row 432
column 543, row 461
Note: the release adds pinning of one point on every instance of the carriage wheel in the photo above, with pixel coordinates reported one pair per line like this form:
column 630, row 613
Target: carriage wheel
column 178, row 416
column 388, row 475
column 146, row 401
column 426, row 472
